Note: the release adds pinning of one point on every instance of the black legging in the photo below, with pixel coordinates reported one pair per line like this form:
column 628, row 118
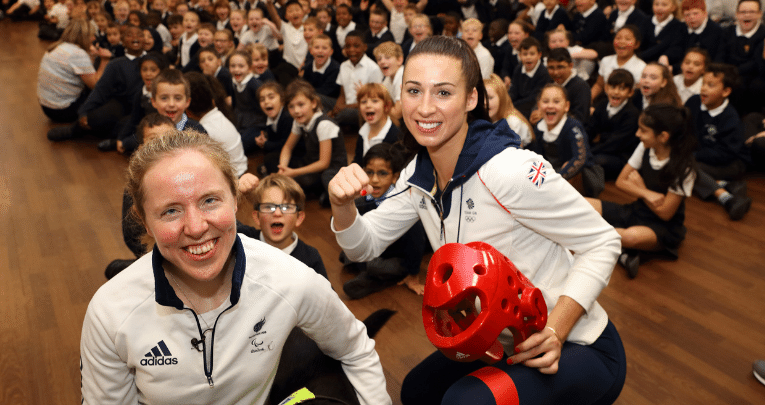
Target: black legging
column 592, row 374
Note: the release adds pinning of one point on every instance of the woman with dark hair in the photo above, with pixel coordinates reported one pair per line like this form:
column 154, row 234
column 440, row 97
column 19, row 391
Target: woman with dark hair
column 67, row 69
column 471, row 182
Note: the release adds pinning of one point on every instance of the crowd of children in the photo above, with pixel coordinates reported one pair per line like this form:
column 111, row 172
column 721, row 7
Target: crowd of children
column 291, row 79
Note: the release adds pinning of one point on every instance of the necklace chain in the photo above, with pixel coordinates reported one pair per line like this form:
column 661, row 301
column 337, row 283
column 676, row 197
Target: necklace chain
column 189, row 300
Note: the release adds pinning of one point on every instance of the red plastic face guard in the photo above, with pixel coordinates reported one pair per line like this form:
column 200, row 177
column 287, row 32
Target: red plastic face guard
column 472, row 293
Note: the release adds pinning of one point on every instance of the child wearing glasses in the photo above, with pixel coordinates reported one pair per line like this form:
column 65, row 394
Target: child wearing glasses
column 279, row 203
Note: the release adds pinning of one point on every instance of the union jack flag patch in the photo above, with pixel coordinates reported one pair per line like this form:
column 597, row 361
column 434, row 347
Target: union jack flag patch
column 537, row 173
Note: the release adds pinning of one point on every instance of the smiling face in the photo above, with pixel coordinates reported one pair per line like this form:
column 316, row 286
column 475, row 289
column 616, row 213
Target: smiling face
column 149, row 70
column 222, row 43
column 747, row 15
column 170, row 100
column 209, row 63
column 662, row 9
column 651, row 80
column 310, row 31
column 121, row 12
column 294, row 15
column 625, row 44
column 343, row 17
column 204, row 38
column 376, row 23
column 321, row 50
column 191, row 213
column 259, row 62
column 493, row 101
column 277, row 227
column 435, row 102
column 530, row 57
column 472, row 34
column 101, row 22
column 381, row 176
column 237, row 21
column 133, row 41
column 389, row 64
column 516, row 34
column 270, row 102
column 190, row 22
column 557, row 40
column 420, row 28
column 238, row 67
column 302, row 108
column 373, row 110
column 559, row 70
column 693, row 67
column 148, row 40
column 222, row 13
column 255, row 20
column 584, row 5
column 113, row 35
column 617, row 94
column 713, row 90
column 646, row 135
column 354, row 49
column 553, row 105
column 324, row 17
column 694, row 17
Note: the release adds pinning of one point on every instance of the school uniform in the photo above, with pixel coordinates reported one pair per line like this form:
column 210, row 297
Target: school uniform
column 611, row 131
column 526, row 86
column 498, row 50
column 298, row 249
column 246, row 104
column 708, row 36
column 591, row 27
column 277, row 131
column 668, row 39
column 141, row 107
column 324, row 79
column 739, row 49
column 633, row 65
column 338, row 40
column 565, row 143
column 510, row 62
column 372, row 40
column 366, row 71
column 188, row 46
column 390, row 134
column 633, row 16
column 224, row 132
column 684, row 91
column 550, row 21
column 226, row 80
column 320, row 128
column 485, row 60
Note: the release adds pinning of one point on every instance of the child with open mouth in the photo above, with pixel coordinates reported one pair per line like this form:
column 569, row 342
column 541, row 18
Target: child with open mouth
column 374, row 106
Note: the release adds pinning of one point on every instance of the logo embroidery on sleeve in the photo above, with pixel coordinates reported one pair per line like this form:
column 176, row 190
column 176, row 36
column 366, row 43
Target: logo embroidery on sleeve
column 537, row 173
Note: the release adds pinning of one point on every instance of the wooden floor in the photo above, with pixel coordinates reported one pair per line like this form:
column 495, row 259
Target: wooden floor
column 691, row 328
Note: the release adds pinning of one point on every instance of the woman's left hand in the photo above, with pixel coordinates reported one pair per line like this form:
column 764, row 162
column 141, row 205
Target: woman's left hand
column 545, row 343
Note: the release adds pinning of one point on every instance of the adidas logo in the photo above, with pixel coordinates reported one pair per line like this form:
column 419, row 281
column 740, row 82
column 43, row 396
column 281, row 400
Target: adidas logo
column 461, row 356
column 159, row 355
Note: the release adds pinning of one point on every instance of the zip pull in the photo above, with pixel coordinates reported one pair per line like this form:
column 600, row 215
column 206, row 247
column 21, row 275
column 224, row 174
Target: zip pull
column 210, row 381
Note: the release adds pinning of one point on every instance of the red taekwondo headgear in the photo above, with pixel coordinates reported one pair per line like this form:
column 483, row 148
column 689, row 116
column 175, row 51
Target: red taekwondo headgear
column 472, row 293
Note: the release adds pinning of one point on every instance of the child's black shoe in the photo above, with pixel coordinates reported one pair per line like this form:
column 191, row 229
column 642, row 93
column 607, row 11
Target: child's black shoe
column 364, row 285
column 737, row 206
column 60, row 133
column 631, row 263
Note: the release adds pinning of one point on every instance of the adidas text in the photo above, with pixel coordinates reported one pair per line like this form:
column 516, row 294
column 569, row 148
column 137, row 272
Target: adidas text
column 159, row 361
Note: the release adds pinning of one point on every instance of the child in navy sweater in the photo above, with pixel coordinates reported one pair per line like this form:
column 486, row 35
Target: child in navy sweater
column 400, row 262
column 246, row 107
column 721, row 155
column 375, row 104
column 529, row 77
column 272, row 138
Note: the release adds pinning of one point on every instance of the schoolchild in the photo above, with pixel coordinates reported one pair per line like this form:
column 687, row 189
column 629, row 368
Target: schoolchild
column 278, row 128
column 703, row 32
column 345, row 25
column 378, row 30
column 466, row 158
column 529, row 77
column 472, row 33
column 238, row 21
column 743, row 48
column 187, row 43
column 400, row 262
column 397, row 24
column 260, row 31
column 279, row 209
column 721, row 155
column 450, row 23
column 291, row 31
column 625, row 13
column 102, row 20
column 311, row 28
column 205, row 33
column 626, row 42
column 497, row 42
column 222, row 10
column 114, row 40
column 374, row 107
column 357, row 70
column 553, row 17
column 666, row 43
column 121, row 12
column 584, row 60
column 325, row 150
column 419, row 29
column 613, row 123
column 561, row 69
column 175, row 26
column 260, row 62
column 55, row 19
column 688, row 81
column 390, row 59
column 211, row 64
column 171, row 95
column 500, row 106
column 322, row 72
column 151, row 65
column 660, row 174
column 223, row 40
column 560, row 138
column 154, row 20
column 591, row 27
column 245, row 100
column 656, row 86
column 517, row 31
column 111, row 100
